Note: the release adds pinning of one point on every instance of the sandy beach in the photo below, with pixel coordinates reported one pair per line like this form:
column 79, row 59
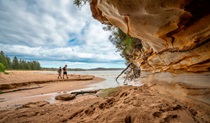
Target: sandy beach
column 38, row 86
column 22, row 78
column 125, row 104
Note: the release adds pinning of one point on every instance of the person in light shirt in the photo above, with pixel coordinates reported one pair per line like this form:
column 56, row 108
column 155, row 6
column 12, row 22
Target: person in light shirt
column 59, row 73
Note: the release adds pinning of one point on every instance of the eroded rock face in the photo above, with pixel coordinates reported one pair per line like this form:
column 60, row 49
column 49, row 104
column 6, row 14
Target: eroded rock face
column 175, row 33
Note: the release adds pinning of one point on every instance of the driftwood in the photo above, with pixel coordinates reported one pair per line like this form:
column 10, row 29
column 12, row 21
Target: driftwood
column 134, row 70
column 122, row 72
column 84, row 92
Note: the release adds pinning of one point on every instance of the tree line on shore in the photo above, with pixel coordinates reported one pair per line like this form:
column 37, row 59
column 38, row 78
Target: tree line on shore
column 15, row 64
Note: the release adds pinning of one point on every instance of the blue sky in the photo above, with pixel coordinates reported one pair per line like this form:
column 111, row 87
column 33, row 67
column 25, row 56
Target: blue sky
column 55, row 33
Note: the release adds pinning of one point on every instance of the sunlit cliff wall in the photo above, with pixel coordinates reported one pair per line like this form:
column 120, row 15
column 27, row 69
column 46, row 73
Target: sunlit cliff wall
column 175, row 33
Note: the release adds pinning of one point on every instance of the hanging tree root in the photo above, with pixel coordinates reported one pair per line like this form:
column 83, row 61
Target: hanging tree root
column 135, row 72
column 123, row 72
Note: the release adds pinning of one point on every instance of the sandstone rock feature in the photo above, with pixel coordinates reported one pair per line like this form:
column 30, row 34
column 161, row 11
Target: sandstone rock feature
column 175, row 33
column 65, row 97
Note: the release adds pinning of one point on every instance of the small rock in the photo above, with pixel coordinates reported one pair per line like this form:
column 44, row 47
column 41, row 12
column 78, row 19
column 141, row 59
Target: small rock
column 65, row 97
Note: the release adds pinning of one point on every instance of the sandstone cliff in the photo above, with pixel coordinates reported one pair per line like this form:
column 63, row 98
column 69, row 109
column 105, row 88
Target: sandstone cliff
column 175, row 33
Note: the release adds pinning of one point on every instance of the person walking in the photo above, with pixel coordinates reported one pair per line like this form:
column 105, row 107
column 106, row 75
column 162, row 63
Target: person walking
column 59, row 73
column 65, row 71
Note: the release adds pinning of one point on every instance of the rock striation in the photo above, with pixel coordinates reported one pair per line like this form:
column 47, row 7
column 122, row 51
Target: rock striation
column 175, row 34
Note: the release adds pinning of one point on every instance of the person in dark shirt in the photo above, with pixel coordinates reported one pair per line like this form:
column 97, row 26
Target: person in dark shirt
column 65, row 71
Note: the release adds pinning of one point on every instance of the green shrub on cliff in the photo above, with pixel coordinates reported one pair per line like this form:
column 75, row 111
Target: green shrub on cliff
column 123, row 42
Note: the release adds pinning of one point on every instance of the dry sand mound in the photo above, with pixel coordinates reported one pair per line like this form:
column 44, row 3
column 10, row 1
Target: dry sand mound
column 16, row 79
column 126, row 105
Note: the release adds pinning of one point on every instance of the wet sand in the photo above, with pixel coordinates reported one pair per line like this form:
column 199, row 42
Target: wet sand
column 38, row 92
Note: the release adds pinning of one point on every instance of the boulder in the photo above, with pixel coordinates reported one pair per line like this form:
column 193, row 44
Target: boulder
column 65, row 97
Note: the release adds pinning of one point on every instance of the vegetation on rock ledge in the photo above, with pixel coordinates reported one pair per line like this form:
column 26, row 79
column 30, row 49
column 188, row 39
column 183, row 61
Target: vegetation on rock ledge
column 123, row 42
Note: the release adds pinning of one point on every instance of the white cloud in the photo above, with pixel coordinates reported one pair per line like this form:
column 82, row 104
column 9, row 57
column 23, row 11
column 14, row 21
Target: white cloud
column 54, row 30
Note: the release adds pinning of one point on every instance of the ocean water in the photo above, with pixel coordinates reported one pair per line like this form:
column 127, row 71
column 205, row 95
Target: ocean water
column 108, row 75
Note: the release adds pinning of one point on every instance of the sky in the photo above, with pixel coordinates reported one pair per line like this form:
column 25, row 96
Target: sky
column 55, row 33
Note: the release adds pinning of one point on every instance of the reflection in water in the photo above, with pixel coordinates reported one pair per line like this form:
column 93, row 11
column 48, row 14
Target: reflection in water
column 110, row 76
